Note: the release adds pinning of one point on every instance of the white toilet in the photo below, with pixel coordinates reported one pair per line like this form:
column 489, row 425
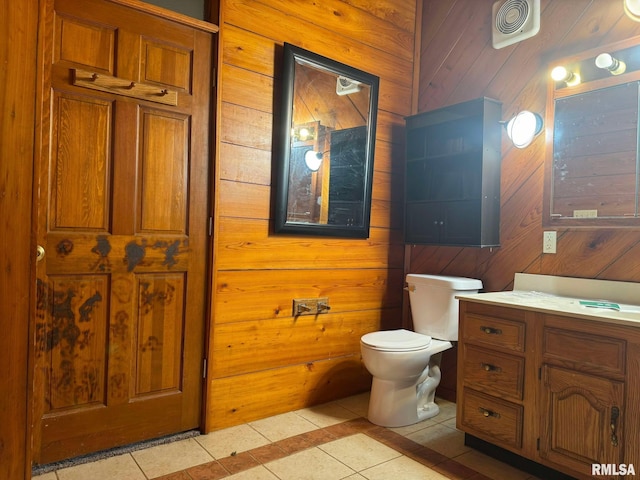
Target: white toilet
column 405, row 365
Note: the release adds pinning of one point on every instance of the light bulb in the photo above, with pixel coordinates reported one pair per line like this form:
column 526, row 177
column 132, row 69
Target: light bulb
column 561, row 74
column 607, row 62
column 632, row 9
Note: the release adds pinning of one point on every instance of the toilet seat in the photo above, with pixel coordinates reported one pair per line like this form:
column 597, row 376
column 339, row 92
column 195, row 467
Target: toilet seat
column 396, row 340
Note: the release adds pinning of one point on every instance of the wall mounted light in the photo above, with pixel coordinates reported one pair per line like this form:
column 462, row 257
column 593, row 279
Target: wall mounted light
column 608, row 62
column 313, row 160
column 632, row 9
column 302, row 134
column 523, row 128
column 561, row 74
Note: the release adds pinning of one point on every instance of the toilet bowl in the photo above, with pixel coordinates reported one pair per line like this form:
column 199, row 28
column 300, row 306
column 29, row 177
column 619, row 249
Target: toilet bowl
column 406, row 371
column 404, row 364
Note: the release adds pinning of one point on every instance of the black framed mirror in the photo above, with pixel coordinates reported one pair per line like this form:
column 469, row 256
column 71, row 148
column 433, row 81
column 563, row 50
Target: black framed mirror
column 324, row 160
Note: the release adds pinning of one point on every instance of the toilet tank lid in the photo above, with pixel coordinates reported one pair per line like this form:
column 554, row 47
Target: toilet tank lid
column 444, row 281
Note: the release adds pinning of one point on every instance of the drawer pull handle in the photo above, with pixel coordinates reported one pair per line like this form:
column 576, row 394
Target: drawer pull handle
column 488, row 413
column 487, row 367
column 491, row 330
column 615, row 413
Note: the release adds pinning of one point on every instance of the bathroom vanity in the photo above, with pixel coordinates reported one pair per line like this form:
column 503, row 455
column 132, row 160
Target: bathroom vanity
column 545, row 373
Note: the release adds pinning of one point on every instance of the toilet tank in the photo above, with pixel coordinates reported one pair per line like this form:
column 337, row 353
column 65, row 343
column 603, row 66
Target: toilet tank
column 434, row 308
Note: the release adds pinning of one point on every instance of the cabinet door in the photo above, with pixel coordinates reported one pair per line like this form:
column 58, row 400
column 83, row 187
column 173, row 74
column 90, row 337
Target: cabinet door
column 423, row 223
column 461, row 223
column 582, row 421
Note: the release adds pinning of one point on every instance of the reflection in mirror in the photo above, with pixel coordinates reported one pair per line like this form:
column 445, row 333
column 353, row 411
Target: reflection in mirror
column 325, row 166
column 592, row 174
column 594, row 153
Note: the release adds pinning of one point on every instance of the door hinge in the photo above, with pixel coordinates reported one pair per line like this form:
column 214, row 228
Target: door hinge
column 539, row 373
column 538, row 444
column 204, row 368
column 210, row 226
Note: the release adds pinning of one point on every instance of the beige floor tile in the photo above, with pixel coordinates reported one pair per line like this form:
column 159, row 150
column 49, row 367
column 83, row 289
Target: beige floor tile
column 490, row 467
column 122, row 467
column 255, row 473
column 451, row 423
column 172, row 457
column 447, row 411
column 402, row 468
column 355, row 476
column 442, row 439
column 409, row 429
column 327, row 414
column 283, row 426
column 311, row 464
column 359, row 451
column 45, row 476
column 223, row 443
column 358, row 404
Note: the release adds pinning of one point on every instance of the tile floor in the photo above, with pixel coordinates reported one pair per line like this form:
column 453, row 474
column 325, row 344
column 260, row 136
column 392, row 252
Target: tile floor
column 327, row 442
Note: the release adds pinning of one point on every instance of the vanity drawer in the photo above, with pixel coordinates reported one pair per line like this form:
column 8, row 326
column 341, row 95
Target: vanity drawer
column 492, row 417
column 493, row 372
column 584, row 351
column 495, row 332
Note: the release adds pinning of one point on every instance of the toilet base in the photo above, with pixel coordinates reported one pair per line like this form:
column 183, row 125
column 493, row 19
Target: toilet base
column 397, row 403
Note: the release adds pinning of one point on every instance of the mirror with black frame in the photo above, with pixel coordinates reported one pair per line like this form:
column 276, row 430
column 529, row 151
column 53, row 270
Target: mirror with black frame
column 326, row 146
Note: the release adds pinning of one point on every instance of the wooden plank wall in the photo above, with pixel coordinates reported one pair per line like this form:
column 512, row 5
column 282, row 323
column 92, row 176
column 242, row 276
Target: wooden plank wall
column 262, row 360
column 18, row 51
column 458, row 63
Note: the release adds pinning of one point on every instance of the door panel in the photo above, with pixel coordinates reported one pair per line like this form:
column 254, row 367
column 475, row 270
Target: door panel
column 156, row 55
column 160, row 325
column 164, row 172
column 84, row 42
column 123, row 212
column 76, row 342
column 80, row 121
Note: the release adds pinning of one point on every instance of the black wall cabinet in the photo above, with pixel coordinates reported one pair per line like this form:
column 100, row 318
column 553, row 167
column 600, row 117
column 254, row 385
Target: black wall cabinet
column 452, row 183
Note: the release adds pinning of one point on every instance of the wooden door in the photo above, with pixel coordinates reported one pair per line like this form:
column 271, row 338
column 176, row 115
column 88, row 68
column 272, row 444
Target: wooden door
column 578, row 413
column 123, row 219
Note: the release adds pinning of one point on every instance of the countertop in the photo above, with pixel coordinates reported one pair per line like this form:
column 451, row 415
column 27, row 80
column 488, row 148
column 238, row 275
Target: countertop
column 549, row 303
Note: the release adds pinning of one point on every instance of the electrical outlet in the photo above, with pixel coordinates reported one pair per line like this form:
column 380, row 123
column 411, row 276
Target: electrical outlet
column 549, row 242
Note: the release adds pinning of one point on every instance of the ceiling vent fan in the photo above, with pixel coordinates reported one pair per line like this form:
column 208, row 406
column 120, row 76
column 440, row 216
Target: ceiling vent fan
column 514, row 21
column 346, row 86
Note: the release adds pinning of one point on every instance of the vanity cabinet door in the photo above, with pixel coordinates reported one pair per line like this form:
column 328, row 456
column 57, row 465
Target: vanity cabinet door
column 583, row 419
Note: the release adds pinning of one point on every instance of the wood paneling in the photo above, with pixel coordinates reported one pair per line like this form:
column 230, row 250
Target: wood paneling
column 458, row 63
column 263, row 360
column 18, row 28
column 517, row 76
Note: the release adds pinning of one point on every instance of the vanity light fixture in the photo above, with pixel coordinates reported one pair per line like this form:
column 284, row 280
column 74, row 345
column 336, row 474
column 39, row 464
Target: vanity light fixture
column 313, row 160
column 561, row 74
column 607, row 62
column 632, row 9
column 523, row 128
